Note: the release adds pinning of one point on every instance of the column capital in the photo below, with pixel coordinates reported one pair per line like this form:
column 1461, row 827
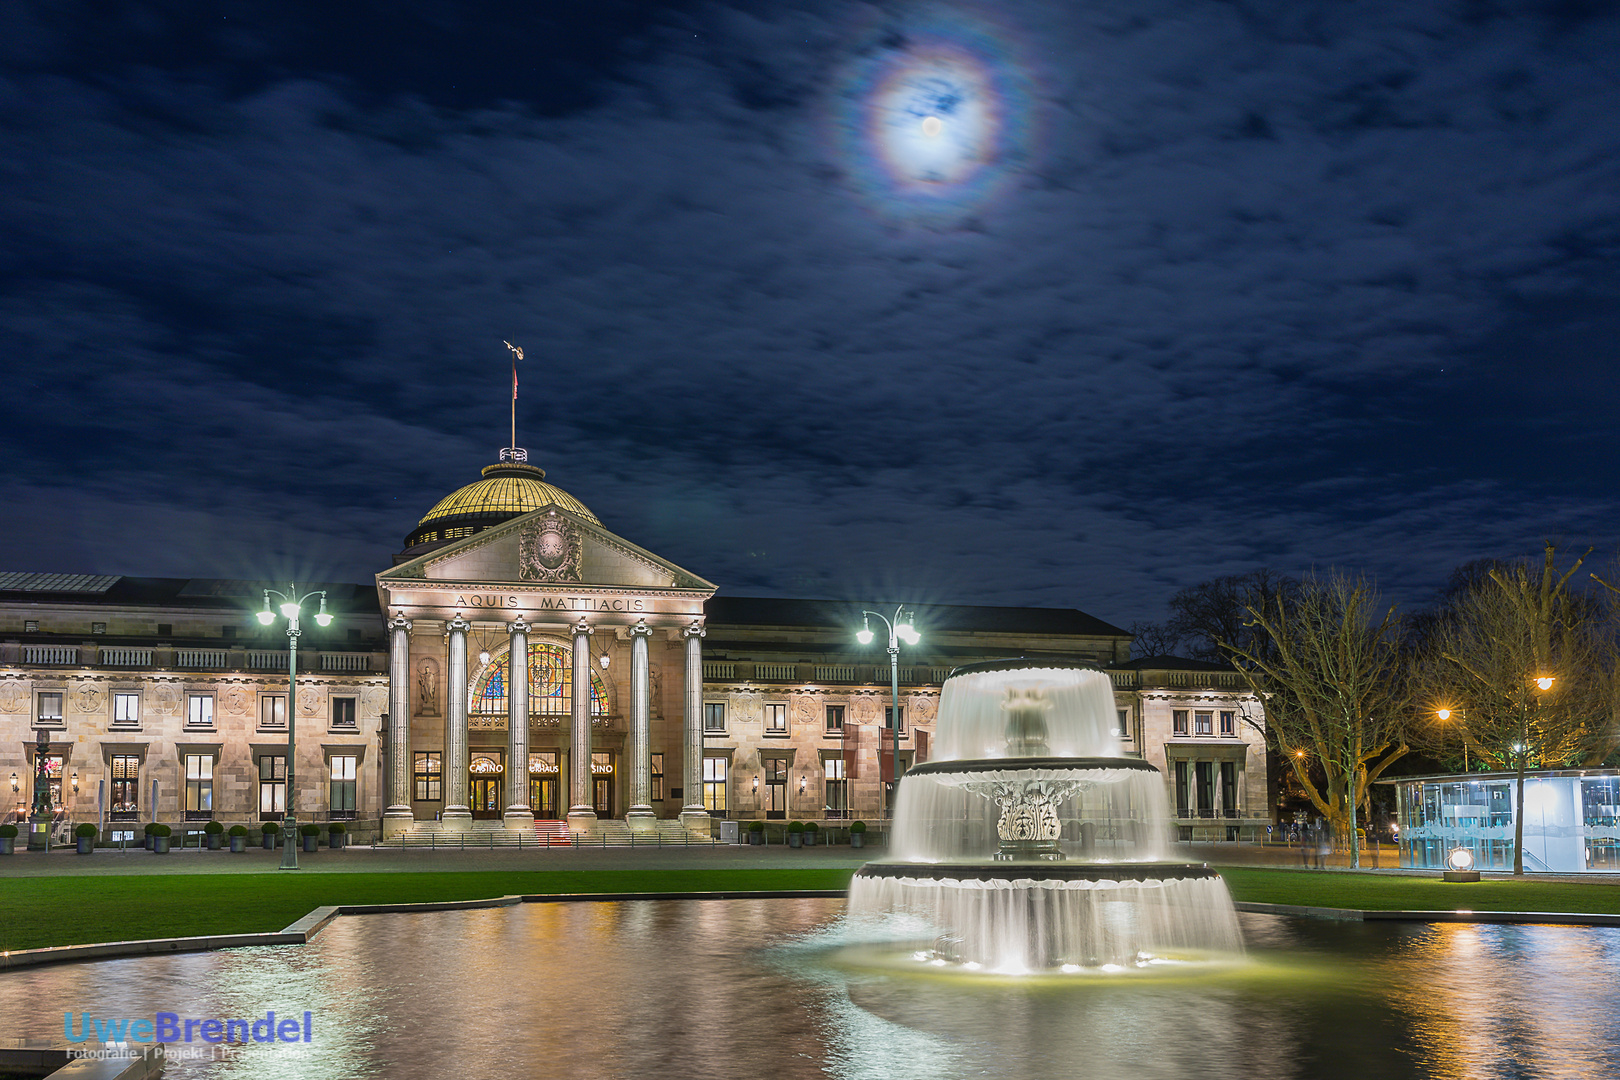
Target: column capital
column 457, row 625
column 399, row 622
column 519, row 625
column 641, row 629
column 583, row 628
column 695, row 630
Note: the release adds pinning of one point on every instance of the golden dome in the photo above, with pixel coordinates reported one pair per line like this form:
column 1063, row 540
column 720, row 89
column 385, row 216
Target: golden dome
column 508, row 489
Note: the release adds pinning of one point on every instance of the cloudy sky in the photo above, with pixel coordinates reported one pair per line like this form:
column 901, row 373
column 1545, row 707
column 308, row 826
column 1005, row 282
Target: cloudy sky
column 1050, row 303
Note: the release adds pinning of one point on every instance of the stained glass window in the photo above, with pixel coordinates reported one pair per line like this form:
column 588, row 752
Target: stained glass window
column 551, row 684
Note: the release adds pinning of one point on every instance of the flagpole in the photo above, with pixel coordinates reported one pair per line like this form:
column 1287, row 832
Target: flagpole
column 517, row 354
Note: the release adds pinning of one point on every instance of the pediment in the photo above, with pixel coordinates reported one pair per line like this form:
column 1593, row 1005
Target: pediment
column 548, row 547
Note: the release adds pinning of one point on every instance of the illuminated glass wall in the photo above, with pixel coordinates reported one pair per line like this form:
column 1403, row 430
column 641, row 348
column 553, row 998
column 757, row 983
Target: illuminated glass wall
column 1571, row 823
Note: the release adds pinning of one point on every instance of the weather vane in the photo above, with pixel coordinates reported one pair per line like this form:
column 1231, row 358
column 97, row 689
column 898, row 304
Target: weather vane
column 517, row 354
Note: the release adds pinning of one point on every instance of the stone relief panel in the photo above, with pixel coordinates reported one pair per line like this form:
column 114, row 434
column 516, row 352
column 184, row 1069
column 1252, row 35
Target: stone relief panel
column 13, row 697
column 746, row 706
column 427, row 687
column 865, row 708
column 549, row 550
column 234, row 701
column 166, row 700
column 373, row 702
column 309, row 700
column 805, row 712
column 921, row 709
column 89, row 698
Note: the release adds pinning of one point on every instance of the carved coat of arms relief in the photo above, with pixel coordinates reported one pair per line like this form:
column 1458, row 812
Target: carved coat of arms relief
column 549, row 550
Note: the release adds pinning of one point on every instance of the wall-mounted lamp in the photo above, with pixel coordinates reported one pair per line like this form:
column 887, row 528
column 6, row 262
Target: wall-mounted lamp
column 756, row 785
column 75, row 781
column 14, row 782
column 801, row 785
column 605, row 659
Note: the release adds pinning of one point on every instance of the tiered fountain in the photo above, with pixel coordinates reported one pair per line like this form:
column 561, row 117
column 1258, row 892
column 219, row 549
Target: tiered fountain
column 1031, row 842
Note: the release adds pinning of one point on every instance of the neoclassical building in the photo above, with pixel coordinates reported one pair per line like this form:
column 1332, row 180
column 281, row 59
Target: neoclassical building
column 644, row 700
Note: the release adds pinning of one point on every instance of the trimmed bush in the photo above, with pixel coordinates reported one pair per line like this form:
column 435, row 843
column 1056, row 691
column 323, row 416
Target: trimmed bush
column 756, row 826
column 160, row 829
column 8, row 832
column 336, row 828
column 151, row 829
column 86, row 829
column 213, row 828
column 238, row 830
column 271, row 827
column 811, row 826
column 857, row 826
column 309, row 830
column 795, row 826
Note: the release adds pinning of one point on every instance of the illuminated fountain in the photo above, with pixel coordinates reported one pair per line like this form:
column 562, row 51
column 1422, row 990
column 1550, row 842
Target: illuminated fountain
column 1031, row 842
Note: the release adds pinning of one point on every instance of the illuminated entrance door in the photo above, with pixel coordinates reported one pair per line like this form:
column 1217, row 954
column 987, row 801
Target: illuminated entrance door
column 544, row 772
column 602, row 784
column 776, row 787
column 484, row 776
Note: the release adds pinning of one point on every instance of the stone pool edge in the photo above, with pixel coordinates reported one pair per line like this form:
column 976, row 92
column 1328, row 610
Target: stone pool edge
column 305, row 929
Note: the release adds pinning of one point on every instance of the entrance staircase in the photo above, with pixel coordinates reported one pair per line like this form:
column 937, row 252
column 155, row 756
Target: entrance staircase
column 489, row 835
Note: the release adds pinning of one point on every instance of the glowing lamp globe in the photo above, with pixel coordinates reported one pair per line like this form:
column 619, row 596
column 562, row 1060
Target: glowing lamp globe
column 483, row 656
column 267, row 616
column 289, row 609
column 1545, row 682
column 864, row 636
column 1460, row 859
column 323, row 619
column 1444, row 714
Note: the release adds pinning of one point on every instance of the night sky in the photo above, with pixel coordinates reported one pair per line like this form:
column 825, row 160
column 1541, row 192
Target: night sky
column 1054, row 303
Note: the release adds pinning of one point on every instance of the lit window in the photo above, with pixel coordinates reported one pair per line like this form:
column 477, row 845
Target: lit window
column 200, row 710
column 1203, row 723
column 343, row 712
column 273, row 710
column 126, row 787
column 776, row 719
column 429, row 778
column 1178, row 721
column 98, row 628
column 343, row 785
column 127, row 709
column 199, row 784
column 657, row 777
column 30, row 626
column 836, row 796
column 272, row 786
column 714, row 784
column 835, row 719
column 50, row 707
column 714, row 717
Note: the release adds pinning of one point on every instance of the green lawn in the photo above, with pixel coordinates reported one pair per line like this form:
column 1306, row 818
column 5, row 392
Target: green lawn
column 71, row 909
column 1379, row 892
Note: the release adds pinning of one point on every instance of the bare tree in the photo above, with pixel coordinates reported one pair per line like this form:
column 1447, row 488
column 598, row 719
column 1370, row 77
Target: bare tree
column 1154, row 639
column 1205, row 616
column 1525, row 668
column 1331, row 674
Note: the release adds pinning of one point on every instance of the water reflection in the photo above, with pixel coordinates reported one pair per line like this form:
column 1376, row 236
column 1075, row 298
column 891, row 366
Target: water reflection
column 746, row 988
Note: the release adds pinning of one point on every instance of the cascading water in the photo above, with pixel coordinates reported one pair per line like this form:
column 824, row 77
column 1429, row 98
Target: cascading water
column 1031, row 842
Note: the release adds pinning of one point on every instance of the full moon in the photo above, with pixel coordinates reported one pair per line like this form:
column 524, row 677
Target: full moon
column 932, row 126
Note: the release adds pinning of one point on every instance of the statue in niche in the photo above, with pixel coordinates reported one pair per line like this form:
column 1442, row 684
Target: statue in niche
column 427, row 688
column 655, row 689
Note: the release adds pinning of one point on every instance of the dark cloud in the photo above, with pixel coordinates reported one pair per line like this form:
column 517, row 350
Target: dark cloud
column 1293, row 284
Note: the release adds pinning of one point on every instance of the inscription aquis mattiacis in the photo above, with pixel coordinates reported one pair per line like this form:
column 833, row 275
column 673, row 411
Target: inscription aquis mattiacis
column 551, row 603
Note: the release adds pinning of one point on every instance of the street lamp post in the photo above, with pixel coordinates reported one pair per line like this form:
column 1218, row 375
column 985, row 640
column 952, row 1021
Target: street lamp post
column 291, row 604
column 900, row 629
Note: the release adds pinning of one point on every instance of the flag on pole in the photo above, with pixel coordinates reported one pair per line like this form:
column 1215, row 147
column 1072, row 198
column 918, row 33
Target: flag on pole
column 517, row 354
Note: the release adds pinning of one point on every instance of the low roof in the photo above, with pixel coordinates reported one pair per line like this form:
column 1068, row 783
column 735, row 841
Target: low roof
column 721, row 611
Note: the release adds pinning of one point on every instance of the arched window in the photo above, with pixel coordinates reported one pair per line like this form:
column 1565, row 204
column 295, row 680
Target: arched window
column 551, row 684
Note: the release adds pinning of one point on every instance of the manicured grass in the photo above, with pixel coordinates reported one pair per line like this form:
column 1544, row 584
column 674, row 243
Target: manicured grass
column 78, row 908
column 1379, row 892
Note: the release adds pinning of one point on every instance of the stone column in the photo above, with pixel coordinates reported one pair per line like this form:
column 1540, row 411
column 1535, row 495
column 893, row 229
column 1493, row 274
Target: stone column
column 693, row 816
column 398, row 817
column 581, row 813
column 641, row 816
column 519, row 814
column 457, row 814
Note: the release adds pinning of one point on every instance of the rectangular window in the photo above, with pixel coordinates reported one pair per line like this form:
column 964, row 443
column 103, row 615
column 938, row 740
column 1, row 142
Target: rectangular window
column 273, row 710
column 429, row 777
column 714, row 717
column 343, row 786
column 50, row 707
column 888, row 718
column 1229, row 791
column 1178, row 721
column 714, row 785
column 1203, row 723
column 199, row 785
column 1204, row 778
column 126, row 787
column 776, row 719
column 1228, row 723
column 1123, row 718
column 658, row 778
column 98, row 628
column 127, row 709
column 835, row 719
column 836, row 797
column 272, row 786
column 30, row 626
column 200, row 710
column 776, row 787
column 343, row 712
column 1181, row 788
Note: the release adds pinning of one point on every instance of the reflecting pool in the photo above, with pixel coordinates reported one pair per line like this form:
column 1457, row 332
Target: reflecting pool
column 748, row 988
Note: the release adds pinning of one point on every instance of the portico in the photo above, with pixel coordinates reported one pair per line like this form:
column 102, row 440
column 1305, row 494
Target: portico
column 542, row 628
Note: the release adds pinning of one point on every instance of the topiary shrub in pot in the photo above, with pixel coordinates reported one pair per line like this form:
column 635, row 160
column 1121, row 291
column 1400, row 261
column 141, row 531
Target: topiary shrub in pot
column 811, row 831
column 271, row 830
column 239, row 837
column 85, row 834
column 160, row 838
column 312, row 836
column 213, row 830
column 795, row 834
column 150, row 832
column 857, row 834
column 336, row 835
column 756, row 832
column 8, row 839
